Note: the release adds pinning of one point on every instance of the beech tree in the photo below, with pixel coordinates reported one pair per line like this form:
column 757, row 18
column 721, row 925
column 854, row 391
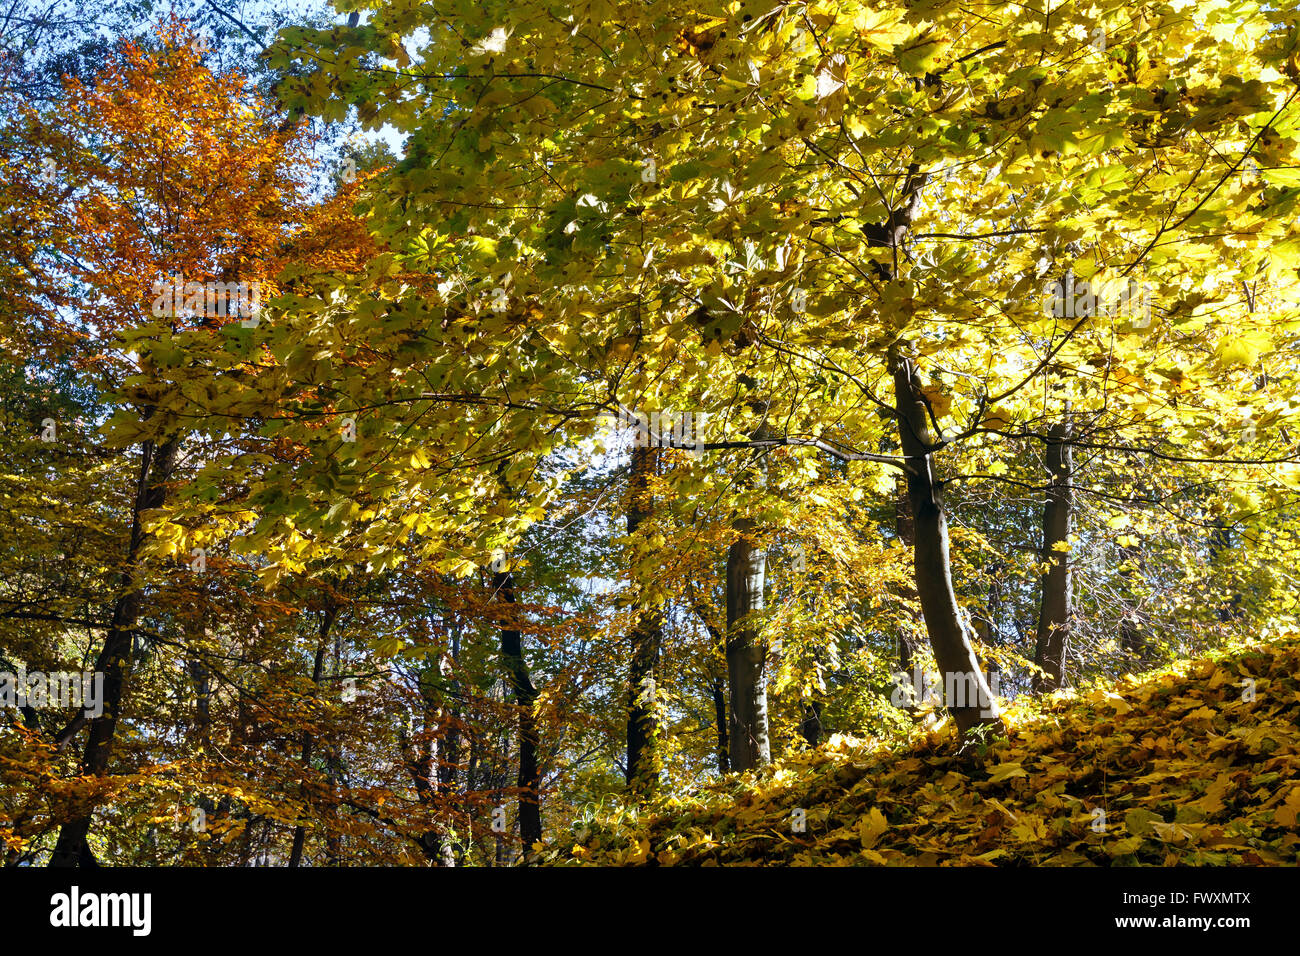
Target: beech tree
column 849, row 191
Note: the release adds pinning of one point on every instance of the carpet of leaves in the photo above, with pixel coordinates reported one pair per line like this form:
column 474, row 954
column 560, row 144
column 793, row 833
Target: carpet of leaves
column 1186, row 767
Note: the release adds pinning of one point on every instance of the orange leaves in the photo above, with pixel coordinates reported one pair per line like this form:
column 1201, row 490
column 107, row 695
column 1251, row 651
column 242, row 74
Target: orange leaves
column 332, row 240
column 177, row 174
column 1064, row 788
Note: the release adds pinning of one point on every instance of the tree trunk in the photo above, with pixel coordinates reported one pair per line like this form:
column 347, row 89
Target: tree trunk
column 722, row 749
column 521, row 683
column 1132, row 626
column 1057, row 587
column 424, row 774
column 810, row 726
column 114, row 661
column 965, row 690
column 308, row 743
column 717, row 681
column 449, row 760
column 746, row 652
column 986, row 625
column 202, row 698
column 1219, row 544
column 643, row 758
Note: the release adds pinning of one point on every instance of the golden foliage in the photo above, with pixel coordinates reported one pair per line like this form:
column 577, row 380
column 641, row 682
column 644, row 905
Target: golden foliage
column 1196, row 764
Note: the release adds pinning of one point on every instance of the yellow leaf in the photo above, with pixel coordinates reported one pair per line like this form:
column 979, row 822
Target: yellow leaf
column 939, row 402
column 1005, row 771
column 1246, row 349
column 871, row 827
column 1029, row 829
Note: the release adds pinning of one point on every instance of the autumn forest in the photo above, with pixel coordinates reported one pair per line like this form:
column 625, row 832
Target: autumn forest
column 536, row 434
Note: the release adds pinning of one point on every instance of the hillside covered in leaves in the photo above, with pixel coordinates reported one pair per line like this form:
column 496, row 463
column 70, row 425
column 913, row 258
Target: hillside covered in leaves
column 1185, row 765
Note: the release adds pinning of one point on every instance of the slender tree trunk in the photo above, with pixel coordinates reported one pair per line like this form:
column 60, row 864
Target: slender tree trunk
column 746, row 651
column 1053, row 641
column 299, row 841
column 986, row 625
column 317, row 674
column 424, row 773
column 748, row 733
column 437, row 757
column 717, row 680
column 719, row 689
column 114, row 661
column 1220, row 542
column 202, row 699
column 966, row 692
column 521, row 683
column 449, row 762
column 643, row 758
column 1132, row 626
column 810, row 727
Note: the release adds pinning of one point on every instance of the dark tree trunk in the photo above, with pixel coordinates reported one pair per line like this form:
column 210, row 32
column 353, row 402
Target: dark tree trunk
column 746, row 651
column 448, row 763
column 717, row 681
column 114, row 661
column 521, row 683
column 966, row 692
column 643, row 759
column 202, row 700
column 1053, row 641
column 720, row 721
column 317, row 674
column 810, row 727
column 1220, row 542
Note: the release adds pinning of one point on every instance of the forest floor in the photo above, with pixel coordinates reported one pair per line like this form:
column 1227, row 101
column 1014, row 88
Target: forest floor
column 1196, row 763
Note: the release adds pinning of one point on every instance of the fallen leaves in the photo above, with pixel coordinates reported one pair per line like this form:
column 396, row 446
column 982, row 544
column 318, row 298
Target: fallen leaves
column 1173, row 767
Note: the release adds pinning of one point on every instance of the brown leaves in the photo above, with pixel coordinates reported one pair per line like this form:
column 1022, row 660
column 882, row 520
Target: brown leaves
column 1187, row 767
